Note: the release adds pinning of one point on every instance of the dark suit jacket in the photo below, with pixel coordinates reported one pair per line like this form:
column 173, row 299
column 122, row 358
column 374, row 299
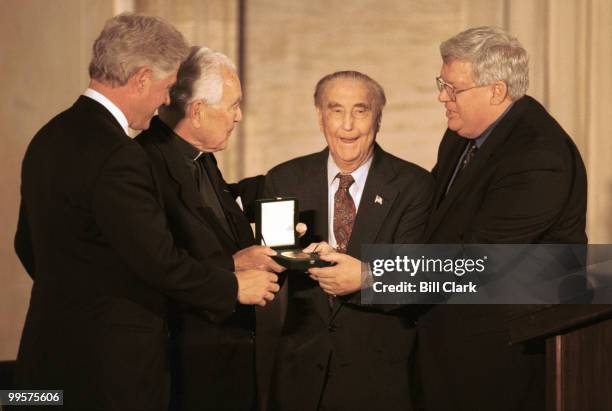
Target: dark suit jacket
column 352, row 357
column 526, row 184
column 213, row 363
column 94, row 238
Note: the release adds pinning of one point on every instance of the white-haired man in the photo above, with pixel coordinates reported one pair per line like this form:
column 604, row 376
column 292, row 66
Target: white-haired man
column 333, row 352
column 213, row 366
column 94, row 238
column 506, row 173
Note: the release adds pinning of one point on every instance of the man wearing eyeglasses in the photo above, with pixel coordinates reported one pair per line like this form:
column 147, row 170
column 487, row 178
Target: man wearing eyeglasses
column 506, row 173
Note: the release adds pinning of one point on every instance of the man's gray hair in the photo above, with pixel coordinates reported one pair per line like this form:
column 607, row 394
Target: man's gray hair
column 375, row 89
column 130, row 42
column 200, row 76
column 494, row 54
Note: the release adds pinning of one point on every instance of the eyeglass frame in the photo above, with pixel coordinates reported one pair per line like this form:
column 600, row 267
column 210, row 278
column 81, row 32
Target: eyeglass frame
column 451, row 91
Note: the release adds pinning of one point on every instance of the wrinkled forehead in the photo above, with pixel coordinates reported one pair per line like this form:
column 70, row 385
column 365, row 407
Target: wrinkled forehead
column 229, row 78
column 231, row 84
column 347, row 90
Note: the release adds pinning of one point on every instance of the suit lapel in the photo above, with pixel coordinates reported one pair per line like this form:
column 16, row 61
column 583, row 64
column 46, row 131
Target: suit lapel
column 449, row 163
column 313, row 197
column 446, row 166
column 237, row 221
column 188, row 192
column 312, row 188
column 376, row 201
column 180, row 173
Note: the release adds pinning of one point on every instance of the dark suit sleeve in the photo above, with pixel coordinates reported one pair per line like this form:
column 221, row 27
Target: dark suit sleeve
column 248, row 189
column 23, row 242
column 126, row 209
column 524, row 201
column 411, row 227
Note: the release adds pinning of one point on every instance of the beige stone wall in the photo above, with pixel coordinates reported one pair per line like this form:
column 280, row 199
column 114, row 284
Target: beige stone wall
column 291, row 44
column 44, row 53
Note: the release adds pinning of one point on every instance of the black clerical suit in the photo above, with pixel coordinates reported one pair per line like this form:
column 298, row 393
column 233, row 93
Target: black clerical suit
column 350, row 357
column 526, row 184
column 213, row 365
column 94, row 238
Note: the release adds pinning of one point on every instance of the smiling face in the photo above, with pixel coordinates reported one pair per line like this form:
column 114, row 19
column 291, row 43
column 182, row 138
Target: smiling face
column 347, row 117
column 472, row 112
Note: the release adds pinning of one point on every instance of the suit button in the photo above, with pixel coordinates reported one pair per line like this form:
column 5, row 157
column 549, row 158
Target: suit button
column 320, row 367
column 332, row 328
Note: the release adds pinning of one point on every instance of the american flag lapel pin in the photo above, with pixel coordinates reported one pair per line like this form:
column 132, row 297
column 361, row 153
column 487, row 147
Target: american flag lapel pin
column 378, row 200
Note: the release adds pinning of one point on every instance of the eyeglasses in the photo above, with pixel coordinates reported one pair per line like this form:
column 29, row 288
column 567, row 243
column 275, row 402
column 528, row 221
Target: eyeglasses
column 450, row 90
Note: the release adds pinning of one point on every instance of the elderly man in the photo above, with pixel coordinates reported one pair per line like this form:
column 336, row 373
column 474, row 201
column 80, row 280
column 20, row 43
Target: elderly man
column 333, row 352
column 214, row 363
column 506, row 173
column 94, row 238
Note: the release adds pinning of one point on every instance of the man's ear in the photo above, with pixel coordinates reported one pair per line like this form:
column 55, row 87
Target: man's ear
column 141, row 80
column 378, row 121
column 500, row 92
column 196, row 113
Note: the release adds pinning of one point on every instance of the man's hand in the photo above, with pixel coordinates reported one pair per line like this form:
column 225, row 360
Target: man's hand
column 257, row 257
column 256, row 287
column 340, row 279
column 322, row 248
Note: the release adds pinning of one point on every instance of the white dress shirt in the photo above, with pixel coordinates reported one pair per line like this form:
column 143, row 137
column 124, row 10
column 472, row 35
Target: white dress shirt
column 110, row 106
column 356, row 190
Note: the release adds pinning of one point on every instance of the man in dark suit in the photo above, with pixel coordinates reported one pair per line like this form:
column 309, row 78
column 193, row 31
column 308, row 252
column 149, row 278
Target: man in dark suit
column 93, row 236
column 214, row 364
column 506, row 173
column 334, row 353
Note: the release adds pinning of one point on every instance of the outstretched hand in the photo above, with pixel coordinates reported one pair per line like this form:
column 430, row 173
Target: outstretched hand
column 340, row 279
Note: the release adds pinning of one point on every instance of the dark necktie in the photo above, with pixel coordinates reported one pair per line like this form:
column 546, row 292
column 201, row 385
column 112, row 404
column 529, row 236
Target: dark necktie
column 344, row 212
column 469, row 156
column 465, row 160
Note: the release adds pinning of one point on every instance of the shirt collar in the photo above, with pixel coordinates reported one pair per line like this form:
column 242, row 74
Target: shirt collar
column 359, row 175
column 480, row 140
column 110, row 106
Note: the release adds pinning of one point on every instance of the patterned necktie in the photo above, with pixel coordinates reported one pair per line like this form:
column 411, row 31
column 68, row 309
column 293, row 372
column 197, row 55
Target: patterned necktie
column 344, row 212
column 469, row 155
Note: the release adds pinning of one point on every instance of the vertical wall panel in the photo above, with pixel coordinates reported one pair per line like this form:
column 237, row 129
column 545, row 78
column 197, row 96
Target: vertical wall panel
column 291, row 44
column 210, row 23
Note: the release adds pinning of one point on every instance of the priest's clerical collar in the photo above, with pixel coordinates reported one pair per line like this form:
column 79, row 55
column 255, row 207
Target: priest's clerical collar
column 186, row 149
